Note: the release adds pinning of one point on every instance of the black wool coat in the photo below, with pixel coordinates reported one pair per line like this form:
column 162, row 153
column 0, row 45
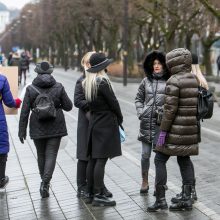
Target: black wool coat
column 49, row 128
column 81, row 103
column 103, row 136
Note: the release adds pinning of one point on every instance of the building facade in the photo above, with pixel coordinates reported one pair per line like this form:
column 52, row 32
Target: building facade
column 4, row 17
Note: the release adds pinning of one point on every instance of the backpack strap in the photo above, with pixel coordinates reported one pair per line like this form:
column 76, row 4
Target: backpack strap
column 35, row 88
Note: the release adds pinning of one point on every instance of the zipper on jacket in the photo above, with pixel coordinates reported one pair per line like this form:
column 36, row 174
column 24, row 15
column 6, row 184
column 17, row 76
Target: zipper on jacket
column 154, row 103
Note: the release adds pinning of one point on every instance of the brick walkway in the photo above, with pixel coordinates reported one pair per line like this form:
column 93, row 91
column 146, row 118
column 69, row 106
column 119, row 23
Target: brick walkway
column 22, row 200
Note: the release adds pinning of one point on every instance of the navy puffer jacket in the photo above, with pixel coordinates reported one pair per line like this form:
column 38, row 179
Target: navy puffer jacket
column 6, row 98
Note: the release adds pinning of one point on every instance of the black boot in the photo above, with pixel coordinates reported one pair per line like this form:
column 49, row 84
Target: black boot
column 4, row 182
column 160, row 203
column 193, row 192
column 44, row 189
column 178, row 196
column 101, row 200
column 186, row 202
column 81, row 191
column 107, row 192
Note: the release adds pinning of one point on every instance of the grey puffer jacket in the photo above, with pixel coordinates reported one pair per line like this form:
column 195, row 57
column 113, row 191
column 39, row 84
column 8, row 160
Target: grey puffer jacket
column 146, row 106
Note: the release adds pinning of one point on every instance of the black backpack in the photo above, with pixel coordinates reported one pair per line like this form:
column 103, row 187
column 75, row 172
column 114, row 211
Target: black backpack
column 44, row 106
column 205, row 104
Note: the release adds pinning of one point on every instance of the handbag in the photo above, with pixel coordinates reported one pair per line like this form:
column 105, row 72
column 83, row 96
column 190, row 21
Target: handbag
column 156, row 136
column 122, row 133
column 205, row 104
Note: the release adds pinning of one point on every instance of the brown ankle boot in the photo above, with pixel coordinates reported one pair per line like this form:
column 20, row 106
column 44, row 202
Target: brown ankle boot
column 144, row 186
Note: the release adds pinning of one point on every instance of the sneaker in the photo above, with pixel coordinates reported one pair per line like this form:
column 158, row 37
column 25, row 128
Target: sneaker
column 4, row 182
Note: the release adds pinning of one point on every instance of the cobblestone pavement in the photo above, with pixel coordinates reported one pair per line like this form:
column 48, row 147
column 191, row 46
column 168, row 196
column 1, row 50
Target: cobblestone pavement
column 21, row 199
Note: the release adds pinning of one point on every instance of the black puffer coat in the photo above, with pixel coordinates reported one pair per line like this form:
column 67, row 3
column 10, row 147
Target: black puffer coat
column 83, row 123
column 180, row 108
column 144, row 100
column 44, row 129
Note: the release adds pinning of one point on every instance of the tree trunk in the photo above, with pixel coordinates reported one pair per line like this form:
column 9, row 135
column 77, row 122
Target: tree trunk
column 207, row 60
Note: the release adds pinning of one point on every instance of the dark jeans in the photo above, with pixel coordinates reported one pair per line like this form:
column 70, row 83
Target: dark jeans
column 185, row 164
column 3, row 160
column 47, row 150
column 81, row 172
column 95, row 174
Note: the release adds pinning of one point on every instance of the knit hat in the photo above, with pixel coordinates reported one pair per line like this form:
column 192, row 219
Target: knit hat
column 43, row 68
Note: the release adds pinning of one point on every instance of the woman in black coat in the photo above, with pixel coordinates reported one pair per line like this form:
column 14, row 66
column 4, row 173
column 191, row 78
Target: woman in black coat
column 103, row 135
column 82, row 129
column 82, row 132
column 46, row 133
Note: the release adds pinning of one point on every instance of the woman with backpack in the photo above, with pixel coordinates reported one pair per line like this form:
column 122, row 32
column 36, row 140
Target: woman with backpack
column 6, row 98
column 46, row 127
column 103, row 134
column 149, row 99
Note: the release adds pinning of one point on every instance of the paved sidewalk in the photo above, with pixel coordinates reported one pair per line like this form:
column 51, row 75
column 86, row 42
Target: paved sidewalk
column 22, row 200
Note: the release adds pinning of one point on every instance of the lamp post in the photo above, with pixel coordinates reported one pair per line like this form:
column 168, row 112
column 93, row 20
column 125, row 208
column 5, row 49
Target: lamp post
column 125, row 43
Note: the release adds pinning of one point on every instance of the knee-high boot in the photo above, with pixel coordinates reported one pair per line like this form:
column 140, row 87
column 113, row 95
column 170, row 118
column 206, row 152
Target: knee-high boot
column 144, row 173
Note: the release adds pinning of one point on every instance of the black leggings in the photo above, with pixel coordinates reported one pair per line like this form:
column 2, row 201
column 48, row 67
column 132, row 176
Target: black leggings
column 81, row 172
column 185, row 164
column 47, row 150
column 95, row 174
column 20, row 75
column 3, row 160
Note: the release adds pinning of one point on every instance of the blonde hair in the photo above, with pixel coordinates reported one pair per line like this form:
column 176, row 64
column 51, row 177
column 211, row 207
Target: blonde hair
column 199, row 76
column 85, row 60
column 91, row 84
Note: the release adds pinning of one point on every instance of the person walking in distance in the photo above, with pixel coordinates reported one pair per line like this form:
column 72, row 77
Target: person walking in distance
column 103, row 135
column 6, row 98
column 82, row 131
column 149, row 98
column 23, row 66
column 46, row 127
column 179, row 135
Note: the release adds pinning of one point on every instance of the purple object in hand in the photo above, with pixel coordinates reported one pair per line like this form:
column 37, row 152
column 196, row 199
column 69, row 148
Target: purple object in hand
column 161, row 139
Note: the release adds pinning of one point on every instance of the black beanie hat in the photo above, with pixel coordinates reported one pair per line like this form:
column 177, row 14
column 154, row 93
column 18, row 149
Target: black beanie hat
column 43, row 68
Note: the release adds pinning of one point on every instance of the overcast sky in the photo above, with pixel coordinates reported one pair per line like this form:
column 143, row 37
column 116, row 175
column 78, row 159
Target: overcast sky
column 15, row 3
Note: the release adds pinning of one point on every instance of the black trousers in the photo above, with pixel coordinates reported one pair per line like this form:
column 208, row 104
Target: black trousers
column 95, row 174
column 3, row 160
column 81, row 173
column 47, row 150
column 22, row 71
column 185, row 164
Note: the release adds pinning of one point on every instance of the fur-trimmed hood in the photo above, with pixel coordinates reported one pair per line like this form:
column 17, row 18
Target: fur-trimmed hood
column 148, row 63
